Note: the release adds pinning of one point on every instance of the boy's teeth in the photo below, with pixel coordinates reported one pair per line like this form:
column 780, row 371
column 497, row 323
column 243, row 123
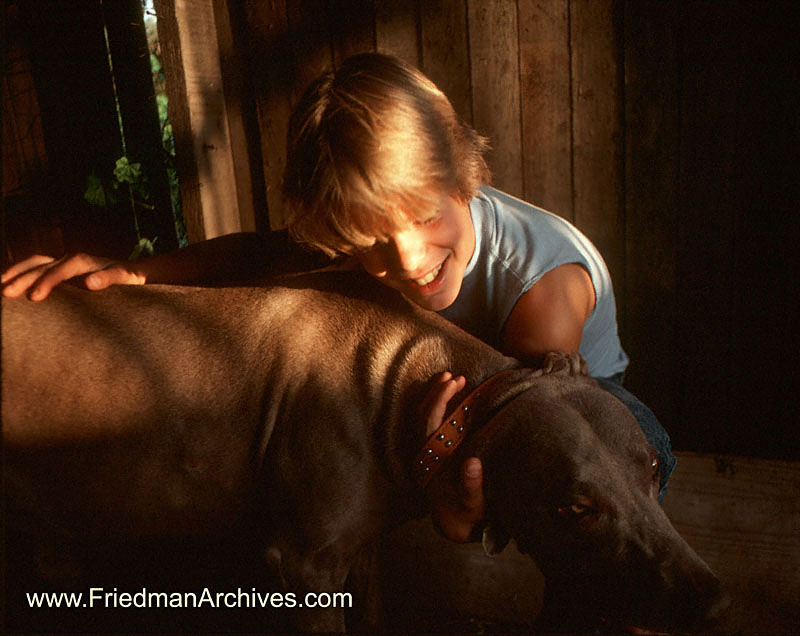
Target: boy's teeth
column 429, row 278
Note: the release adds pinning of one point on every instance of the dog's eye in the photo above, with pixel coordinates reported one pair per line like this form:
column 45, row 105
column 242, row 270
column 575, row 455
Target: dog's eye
column 656, row 468
column 577, row 510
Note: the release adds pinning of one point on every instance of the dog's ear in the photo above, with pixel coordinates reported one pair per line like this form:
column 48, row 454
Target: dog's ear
column 494, row 540
column 558, row 363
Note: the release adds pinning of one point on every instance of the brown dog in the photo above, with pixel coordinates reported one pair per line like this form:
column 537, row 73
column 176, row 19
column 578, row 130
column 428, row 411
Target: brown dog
column 155, row 413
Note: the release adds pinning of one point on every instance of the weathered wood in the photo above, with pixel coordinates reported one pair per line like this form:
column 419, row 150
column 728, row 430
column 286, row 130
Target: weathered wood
column 494, row 56
column 273, row 85
column 652, row 124
column 743, row 517
column 445, row 51
column 397, row 29
column 764, row 278
column 544, row 53
column 352, row 27
column 711, row 53
column 178, row 107
column 311, row 44
column 233, row 66
column 210, row 190
column 597, row 131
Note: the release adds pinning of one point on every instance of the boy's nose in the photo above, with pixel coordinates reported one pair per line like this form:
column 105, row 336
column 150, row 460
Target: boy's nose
column 409, row 250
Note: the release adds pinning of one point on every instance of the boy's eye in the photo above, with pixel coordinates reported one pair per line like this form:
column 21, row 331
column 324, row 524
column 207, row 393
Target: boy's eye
column 363, row 249
column 368, row 247
column 428, row 221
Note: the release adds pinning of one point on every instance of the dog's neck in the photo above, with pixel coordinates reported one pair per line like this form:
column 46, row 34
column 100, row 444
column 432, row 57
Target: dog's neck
column 473, row 410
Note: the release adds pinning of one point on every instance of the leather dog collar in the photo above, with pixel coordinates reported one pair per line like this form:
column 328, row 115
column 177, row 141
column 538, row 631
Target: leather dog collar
column 444, row 440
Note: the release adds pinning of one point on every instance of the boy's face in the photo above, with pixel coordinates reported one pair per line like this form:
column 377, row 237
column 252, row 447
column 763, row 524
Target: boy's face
column 426, row 260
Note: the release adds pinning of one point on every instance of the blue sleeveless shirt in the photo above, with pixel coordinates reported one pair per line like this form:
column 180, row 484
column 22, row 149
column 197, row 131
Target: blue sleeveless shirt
column 516, row 244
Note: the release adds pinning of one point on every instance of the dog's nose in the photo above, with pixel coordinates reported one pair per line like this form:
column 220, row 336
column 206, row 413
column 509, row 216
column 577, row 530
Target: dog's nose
column 711, row 601
column 718, row 605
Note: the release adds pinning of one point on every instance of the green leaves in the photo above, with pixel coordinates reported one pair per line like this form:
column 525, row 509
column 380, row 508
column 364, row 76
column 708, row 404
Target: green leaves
column 129, row 177
column 145, row 247
column 96, row 192
column 102, row 193
column 132, row 175
column 127, row 172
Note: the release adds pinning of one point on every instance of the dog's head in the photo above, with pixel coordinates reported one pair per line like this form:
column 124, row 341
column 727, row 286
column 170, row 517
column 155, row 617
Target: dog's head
column 571, row 478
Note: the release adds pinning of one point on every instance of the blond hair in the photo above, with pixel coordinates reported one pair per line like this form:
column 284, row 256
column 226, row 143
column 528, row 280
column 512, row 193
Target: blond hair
column 371, row 146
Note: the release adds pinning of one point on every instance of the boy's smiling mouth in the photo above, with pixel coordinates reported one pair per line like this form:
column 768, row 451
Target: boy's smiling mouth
column 430, row 276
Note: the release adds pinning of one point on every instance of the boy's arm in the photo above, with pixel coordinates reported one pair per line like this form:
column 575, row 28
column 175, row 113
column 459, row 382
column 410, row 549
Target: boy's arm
column 550, row 316
column 241, row 257
column 231, row 258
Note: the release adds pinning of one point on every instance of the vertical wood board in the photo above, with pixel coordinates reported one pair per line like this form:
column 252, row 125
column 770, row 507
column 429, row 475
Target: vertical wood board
column 311, row 45
column 352, row 27
column 652, row 118
column 208, row 118
column 445, row 51
column 273, row 84
column 597, row 131
column 232, row 67
column 397, row 29
column 710, row 55
column 495, row 88
column 179, row 116
column 546, row 104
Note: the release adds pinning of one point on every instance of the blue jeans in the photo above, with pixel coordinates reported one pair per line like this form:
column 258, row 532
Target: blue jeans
column 651, row 427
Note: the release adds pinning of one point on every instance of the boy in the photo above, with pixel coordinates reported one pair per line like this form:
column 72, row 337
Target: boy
column 380, row 169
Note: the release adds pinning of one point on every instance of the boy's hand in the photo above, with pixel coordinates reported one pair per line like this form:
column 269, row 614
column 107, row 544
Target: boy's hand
column 434, row 405
column 38, row 274
column 455, row 512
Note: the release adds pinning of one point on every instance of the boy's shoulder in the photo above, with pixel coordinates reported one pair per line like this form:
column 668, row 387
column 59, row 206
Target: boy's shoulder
column 507, row 220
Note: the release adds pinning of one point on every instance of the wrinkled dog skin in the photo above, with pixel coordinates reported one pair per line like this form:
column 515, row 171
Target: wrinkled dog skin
column 155, row 414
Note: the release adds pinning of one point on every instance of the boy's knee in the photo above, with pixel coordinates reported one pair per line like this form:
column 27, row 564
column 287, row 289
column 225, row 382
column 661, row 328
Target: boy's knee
column 656, row 435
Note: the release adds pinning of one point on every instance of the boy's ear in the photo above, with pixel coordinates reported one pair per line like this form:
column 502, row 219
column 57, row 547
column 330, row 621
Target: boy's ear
column 494, row 540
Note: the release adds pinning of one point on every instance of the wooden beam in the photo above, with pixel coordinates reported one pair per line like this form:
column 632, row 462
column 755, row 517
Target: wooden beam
column 652, row 127
column 233, row 68
column 311, row 49
column 216, row 189
column 396, row 29
column 493, row 46
column 711, row 56
column 597, row 120
column 273, row 78
column 352, row 28
column 444, row 51
column 544, row 56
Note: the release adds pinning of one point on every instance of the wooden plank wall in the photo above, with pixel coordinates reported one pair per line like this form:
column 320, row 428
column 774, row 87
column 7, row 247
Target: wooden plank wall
column 665, row 130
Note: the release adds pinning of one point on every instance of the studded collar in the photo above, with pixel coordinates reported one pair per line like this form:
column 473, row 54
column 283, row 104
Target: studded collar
column 454, row 428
